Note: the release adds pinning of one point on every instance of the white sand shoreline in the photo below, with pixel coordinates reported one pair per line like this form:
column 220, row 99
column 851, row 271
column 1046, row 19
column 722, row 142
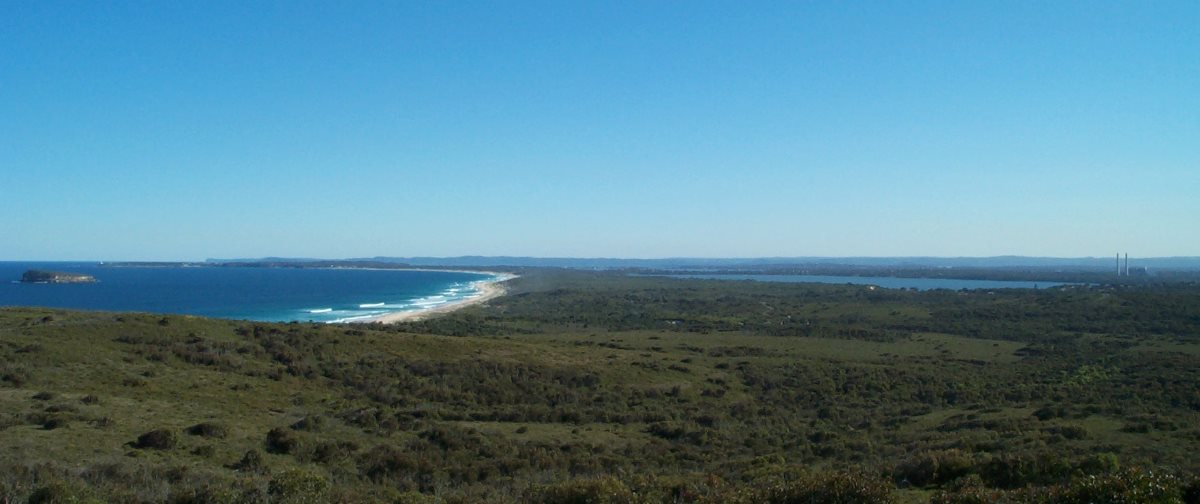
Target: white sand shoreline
column 489, row 289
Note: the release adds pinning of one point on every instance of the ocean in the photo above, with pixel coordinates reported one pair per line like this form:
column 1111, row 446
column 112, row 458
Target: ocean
column 245, row 293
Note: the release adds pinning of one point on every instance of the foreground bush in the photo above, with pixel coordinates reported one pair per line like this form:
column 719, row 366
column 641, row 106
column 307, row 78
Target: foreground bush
column 297, row 486
column 606, row 490
column 783, row 485
column 1130, row 486
column 827, row 488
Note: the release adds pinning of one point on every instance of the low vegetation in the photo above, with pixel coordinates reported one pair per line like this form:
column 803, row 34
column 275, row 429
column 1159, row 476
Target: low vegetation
column 589, row 387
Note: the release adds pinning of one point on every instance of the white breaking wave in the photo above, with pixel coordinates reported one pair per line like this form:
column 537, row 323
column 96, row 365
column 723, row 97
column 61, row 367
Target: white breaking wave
column 321, row 310
column 455, row 293
column 351, row 319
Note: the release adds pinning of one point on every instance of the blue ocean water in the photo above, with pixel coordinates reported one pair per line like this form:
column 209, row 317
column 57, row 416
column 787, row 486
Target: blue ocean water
column 263, row 294
column 885, row 282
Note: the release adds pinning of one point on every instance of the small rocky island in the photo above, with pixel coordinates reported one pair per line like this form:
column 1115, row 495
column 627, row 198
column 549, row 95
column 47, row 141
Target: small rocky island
column 55, row 277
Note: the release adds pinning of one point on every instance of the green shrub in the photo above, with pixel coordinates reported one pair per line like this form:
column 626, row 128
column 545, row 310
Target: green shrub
column 9, row 420
column 310, row 423
column 103, row 422
column 827, row 488
column 15, row 375
column 280, row 440
column 299, row 487
column 327, row 452
column 1101, row 463
column 1130, row 486
column 62, row 492
column 55, row 422
column 1124, row 487
column 1191, row 492
column 133, row 381
column 1013, row 471
column 972, row 495
column 211, row 493
column 209, row 430
column 934, row 468
column 251, row 462
column 206, row 451
column 385, row 463
column 605, row 490
column 159, row 439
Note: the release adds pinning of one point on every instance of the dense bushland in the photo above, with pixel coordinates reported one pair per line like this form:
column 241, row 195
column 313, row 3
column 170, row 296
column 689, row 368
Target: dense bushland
column 583, row 387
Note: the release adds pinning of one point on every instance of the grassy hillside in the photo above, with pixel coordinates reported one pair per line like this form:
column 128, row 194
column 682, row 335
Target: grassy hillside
column 627, row 389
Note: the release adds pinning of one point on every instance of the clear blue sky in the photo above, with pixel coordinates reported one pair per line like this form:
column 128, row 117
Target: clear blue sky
column 186, row 130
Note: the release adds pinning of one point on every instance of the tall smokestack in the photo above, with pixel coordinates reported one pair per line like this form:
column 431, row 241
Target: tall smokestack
column 1127, row 264
column 1118, row 264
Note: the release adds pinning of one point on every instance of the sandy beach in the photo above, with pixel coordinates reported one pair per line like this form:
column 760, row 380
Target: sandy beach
column 488, row 290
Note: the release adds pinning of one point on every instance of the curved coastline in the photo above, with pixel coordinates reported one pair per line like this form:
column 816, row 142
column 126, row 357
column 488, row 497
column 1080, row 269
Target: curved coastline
column 488, row 289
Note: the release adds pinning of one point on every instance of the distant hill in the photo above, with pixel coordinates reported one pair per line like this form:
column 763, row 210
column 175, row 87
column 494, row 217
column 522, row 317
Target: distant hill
column 1077, row 263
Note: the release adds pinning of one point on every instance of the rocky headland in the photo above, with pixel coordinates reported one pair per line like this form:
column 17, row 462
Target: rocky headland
column 55, row 277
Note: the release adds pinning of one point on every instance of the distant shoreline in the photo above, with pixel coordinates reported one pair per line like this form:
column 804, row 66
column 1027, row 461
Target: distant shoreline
column 488, row 290
column 339, row 265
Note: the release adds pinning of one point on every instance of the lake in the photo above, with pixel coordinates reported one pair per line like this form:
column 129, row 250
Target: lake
column 884, row 282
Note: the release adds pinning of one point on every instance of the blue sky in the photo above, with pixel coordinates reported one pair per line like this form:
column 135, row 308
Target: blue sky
column 186, row 130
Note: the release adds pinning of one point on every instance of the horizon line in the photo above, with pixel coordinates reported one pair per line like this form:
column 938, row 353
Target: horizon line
column 607, row 258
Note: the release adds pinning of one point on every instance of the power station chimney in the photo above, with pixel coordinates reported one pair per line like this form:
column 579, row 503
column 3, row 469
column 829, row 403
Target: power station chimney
column 1118, row 264
column 1127, row 264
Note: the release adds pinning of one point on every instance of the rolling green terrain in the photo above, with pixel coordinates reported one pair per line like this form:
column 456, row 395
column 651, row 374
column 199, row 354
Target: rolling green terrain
column 589, row 387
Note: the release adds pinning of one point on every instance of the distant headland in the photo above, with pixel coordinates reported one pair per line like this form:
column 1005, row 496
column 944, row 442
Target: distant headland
column 55, row 277
column 1019, row 268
